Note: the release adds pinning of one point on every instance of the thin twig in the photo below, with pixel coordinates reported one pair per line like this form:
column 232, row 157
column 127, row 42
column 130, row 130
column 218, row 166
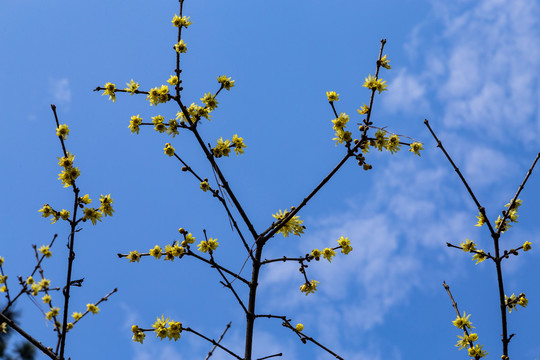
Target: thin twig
column 211, row 352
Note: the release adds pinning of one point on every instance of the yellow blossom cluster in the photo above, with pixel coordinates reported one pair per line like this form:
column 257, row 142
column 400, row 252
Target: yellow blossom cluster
column 158, row 95
column 293, row 226
column 164, row 328
column 340, row 123
column 468, row 338
column 223, row 147
column 225, row 82
column 513, row 301
column 183, row 21
column 329, row 253
column 208, row 245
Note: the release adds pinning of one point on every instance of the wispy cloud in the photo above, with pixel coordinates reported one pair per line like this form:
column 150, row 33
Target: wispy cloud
column 482, row 64
column 60, row 90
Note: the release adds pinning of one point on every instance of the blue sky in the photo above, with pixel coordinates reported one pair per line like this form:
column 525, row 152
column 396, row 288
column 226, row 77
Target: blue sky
column 471, row 67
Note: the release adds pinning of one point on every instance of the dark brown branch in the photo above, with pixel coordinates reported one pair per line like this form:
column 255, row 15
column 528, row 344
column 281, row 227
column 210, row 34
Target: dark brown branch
column 304, row 338
column 221, row 200
column 227, row 284
column 212, row 341
column 47, row 351
column 513, row 202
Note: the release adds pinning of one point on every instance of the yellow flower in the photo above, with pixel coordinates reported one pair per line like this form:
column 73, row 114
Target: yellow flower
column 316, row 253
column 134, row 123
column 294, row 225
column 225, row 82
column 45, row 251
column 468, row 245
column 132, row 86
column 68, row 176
column 156, row 252
column 340, row 122
column 463, row 322
column 62, row 131
column 66, row 161
column 110, row 90
column 363, row 109
column 3, row 279
column 190, row 239
column 380, row 139
column 106, row 207
column 504, row 227
column 173, row 126
column 175, row 328
column 3, row 289
column 46, row 299
column 239, row 145
column 138, row 334
column 134, row 256
column 3, row 328
column 173, row 80
column 309, row 288
column 415, row 148
column 479, row 256
column 385, row 62
column 210, row 101
column 92, row 308
column 64, row 214
column 393, row 144
column 160, row 327
column 181, row 21
column 345, row 244
column 205, row 186
column 85, row 199
column 209, row 245
column 299, row 327
column 328, row 253
column 159, row 126
column 44, row 283
column 46, row 211
column 169, row 150
column 180, row 47
column 92, row 214
column 332, row 96
column 374, row 83
column 35, row 289
column 481, row 219
column 222, row 148
column 29, row 280
column 526, row 246
column 77, row 316
column 52, row 313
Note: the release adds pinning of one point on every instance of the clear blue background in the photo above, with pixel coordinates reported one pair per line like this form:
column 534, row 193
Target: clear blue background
column 471, row 67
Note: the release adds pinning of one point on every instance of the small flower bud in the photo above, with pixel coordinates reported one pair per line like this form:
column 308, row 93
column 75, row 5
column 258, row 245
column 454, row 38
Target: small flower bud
column 361, row 128
column 184, row 168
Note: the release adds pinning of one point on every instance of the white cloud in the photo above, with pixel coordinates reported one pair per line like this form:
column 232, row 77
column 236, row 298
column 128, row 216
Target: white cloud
column 407, row 94
column 60, row 90
column 482, row 60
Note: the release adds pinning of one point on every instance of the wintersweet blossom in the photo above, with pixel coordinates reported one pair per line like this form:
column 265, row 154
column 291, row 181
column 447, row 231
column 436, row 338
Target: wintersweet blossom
column 62, row 131
column 332, row 96
column 294, row 225
column 226, row 82
column 310, row 287
column 132, row 87
column 110, row 89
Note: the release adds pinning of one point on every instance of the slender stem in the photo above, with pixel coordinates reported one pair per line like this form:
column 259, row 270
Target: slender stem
column 225, row 184
column 214, row 342
column 211, row 352
column 250, row 315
